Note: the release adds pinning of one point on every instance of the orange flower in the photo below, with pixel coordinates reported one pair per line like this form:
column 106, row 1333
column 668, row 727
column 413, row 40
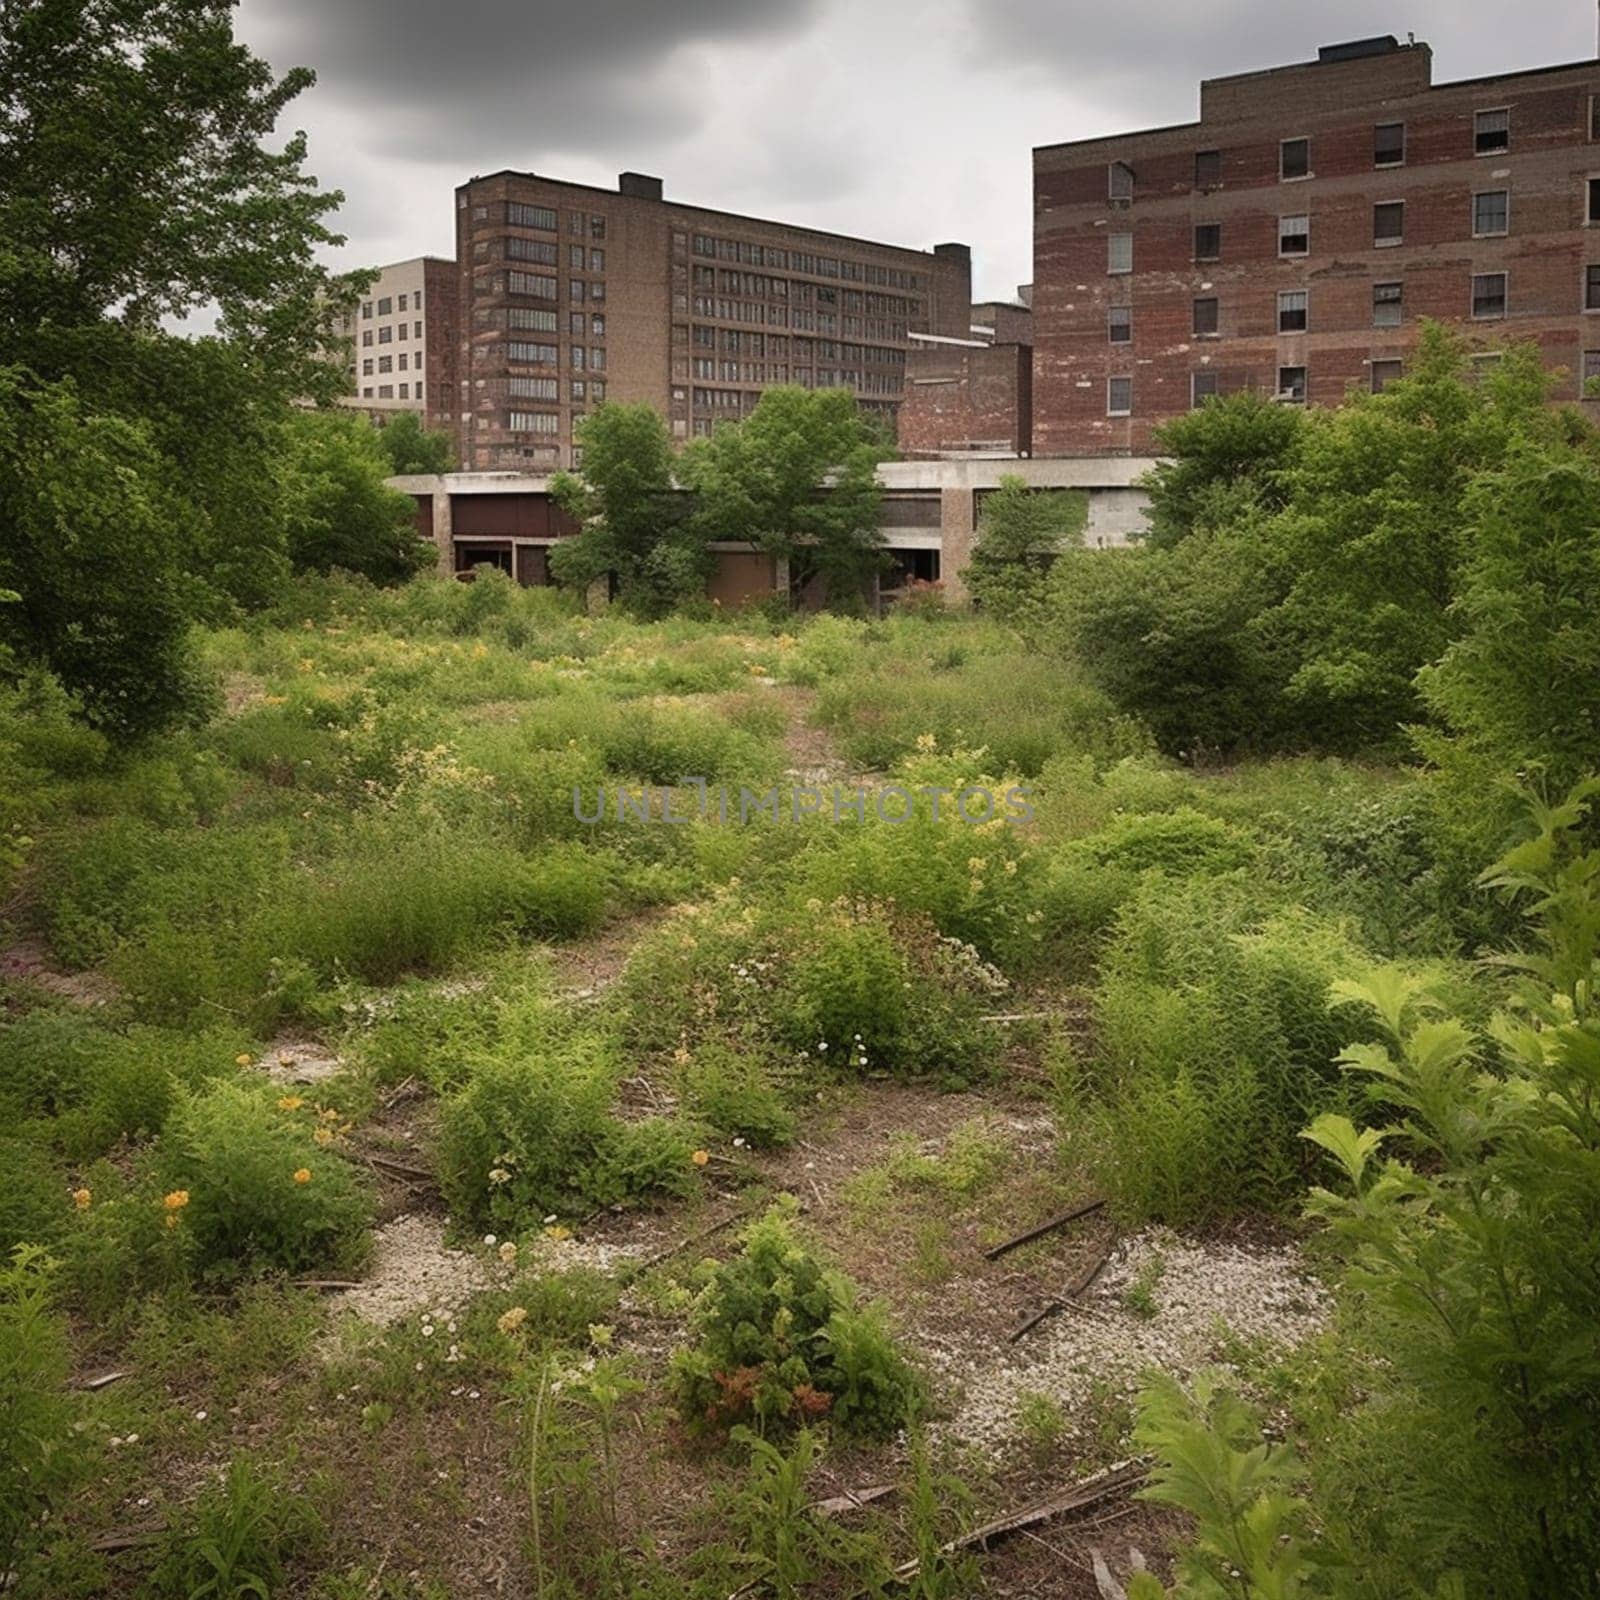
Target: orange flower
column 81, row 1199
column 177, row 1200
column 700, row 1157
column 290, row 1102
column 303, row 1175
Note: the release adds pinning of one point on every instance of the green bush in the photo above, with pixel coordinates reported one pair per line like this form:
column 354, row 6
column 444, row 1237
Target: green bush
column 262, row 1192
column 37, row 1442
column 535, row 1133
column 1181, row 843
column 778, row 1340
column 735, row 1095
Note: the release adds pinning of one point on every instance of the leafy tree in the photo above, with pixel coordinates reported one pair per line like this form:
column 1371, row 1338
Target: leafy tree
column 761, row 480
column 634, row 524
column 1520, row 684
column 88, row 550
column 411, row 447
column 340, row 513
column 1223, row 460
column 1020, row 533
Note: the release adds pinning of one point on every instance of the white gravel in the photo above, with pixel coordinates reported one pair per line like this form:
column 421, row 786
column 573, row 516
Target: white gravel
column 1202, row 1292
column 413, row 1270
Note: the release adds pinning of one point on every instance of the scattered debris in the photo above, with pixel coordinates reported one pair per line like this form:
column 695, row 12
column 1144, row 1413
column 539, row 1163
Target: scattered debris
column 851, row 1500
column 1084, row 1209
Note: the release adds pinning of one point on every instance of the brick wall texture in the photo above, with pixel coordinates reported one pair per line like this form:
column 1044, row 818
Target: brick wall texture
column 1171, row 349
column 967, row 397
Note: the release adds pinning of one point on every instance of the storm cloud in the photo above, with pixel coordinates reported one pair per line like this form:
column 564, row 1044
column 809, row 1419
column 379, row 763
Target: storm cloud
column 907, row 120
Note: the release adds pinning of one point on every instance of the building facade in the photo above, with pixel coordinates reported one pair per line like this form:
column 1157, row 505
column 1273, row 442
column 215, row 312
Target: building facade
column 405, row 334
column 572, row 295
column 971, row 396
column 1294, row 237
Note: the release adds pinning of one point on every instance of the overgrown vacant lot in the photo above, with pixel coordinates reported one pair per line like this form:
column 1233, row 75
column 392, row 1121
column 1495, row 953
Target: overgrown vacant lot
column 426, row 1193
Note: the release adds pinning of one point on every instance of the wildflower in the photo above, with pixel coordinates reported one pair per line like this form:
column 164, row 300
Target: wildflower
column 513, row 1319
column 1011, row 867
column 977, row 863
column 927, row 743
column 499, row 1175
column 302, row 1175
column 290, row 1102
column 700, row 1157
column 508, row 1253
column 599, row 1333
column 177, row 1200
column 556, row 1231
column 323, row 1136
column 243, row 1059
column 489, row 1239
column 81, row 1199
column 681, row 1055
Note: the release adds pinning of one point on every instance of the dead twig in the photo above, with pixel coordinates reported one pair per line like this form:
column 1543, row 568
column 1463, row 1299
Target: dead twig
column 850, row 1500
column 329, row 1284
column 102, row 1381
column 1083, row 1209
column 693, row 1239
column 399, row 1169
column 128, row 1538
column 1068, row 1298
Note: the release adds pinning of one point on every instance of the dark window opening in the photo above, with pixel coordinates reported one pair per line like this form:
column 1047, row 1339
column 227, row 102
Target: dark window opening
column 1294, row 158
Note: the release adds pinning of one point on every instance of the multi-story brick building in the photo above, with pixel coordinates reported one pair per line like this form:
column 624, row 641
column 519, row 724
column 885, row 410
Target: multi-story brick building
column 571, row 295
column 405, row 334
column 1292, row 239
column 971, row 396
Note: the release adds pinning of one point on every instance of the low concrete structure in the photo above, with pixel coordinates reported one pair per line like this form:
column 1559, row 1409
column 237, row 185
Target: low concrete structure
column 929, row 519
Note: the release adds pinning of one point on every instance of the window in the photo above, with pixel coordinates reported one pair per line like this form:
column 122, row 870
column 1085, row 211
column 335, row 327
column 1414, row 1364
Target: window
column 401, row 304
column 535, row 283
column 1593, row 211
column 533, row 422
column 597, row 228
column 366, row 309
column 1119, row 324
column 540, row 250
column 597, row 392
column 1491, row 211
column 575, row 288
column 1591, row 288
column 1294, row 158
column 578, row 391
column 521, row 216
column 1294, row 236
column 532, row 321
column 545, row 354
column 366, row 336
column 1292, row 311
column 1591, row 371
column 576, row 257
column 1207, row 169
column 366, row 368
column 1491, row 132
column 578, row 357
column 402, row 361
column 1205, row 315
column 577, row 323
column 1389, row 144
column 1208, row 241
column 1292, row 384
column 597, row 261
column 597, row 359
column 1202, row 387
column 575, row 221
column 1488, row 294
column 1119, row 397
column 416, row 301
column 386, row 334
column 1387, row 305
column 1389, row 222
column 532, row 388
column 1119, row 181
column 405, row 391
column 1384, row 373
column 416, row 330
column 597, row 326
column 597, row 289
column 1119, row 253
column 386, row 391
column 385, row 363
column 385, row 307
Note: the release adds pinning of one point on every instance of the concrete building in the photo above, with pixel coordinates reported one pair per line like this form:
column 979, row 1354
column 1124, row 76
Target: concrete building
column 406, row 333
column 571, row 295
column 929, row 519
column 973, row 395
column 1293, row 237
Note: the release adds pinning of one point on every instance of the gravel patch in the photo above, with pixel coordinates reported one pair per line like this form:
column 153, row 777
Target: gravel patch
column 1193, row 1294
column 292, row 1060
column 413, row 1270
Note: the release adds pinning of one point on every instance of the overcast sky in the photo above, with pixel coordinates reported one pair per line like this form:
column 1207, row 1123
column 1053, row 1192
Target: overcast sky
column 904, row 120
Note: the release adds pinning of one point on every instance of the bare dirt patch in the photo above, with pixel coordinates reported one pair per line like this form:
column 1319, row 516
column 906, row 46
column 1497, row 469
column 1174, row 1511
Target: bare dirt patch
column 25, row 962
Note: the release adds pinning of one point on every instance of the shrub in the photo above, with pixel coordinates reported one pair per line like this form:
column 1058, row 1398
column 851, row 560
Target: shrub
column 534, row 1133
column 263, row 1191
column 735, row 1095
column 36, row 1437
column 778, row 1340
column 1182, row 843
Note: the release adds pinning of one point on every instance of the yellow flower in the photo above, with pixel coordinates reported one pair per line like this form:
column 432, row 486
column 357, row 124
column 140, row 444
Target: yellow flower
column 243, row 1059
column 290, row 1102
column 700, row 1157
column 508, row 1253
column 927, row 743
column 556, row 1231
column 976, row 863
column 172, row 1219
column 303, row 1175
column 323, row 1136
column 177, row 1200
column 513, row 1319
column 81, row 1199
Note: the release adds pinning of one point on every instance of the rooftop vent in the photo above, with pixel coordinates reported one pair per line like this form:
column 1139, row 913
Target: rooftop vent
column 1356, row 49
column 639, row 185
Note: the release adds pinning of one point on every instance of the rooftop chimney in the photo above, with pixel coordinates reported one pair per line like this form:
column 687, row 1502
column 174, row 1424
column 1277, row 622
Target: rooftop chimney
column 640, row 186
column 1356, row 49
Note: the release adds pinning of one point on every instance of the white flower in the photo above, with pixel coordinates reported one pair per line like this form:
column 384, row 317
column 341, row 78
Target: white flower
column 499, row 1175
column 489, row 1238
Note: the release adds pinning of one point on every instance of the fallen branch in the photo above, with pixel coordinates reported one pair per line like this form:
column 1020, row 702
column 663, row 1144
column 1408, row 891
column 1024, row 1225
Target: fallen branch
column 128, row 1538
column 693, row 1239
column 399, row 1169
column 1068, row 1296
column 1119, row 1480
column 329, row 1284
column 100, row 1382
column 996, row 1251
column 850, row 1500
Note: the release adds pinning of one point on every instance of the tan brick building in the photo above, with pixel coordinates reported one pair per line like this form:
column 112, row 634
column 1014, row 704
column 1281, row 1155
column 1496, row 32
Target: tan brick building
column 405, row 333
column 1292, row 239
column 571, row 295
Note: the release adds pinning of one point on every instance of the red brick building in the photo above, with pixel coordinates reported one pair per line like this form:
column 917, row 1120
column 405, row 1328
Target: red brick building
column 1292, row 239
column 971, row 396
column 571, row 295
